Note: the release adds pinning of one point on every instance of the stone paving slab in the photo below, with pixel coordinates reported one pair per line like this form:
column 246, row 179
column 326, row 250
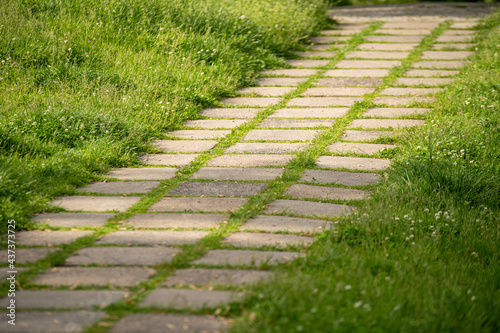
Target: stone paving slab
column 410, row 25
column 374, row 73
column 359, row 148
column 221, row 189
column 121, row 256
column 349, row 32
column 451, row 64
column 199, row 134
column 323, row 101
column 410, row 91
column 446, row 55
column 351, row 135
column 24, row 256
column 280, row 81
column 251, row 101
column 142, row 173
column 267, row 147
column 197, row 204
column 152, row 237
column 184, row 146
column 365, row 64
column 461, row 46
column 48, row 238
column 214, row 123
column 337, row 92
column 403, row 32
column 96, row 204
column 387, row 47
column 463, row 25
column 353, row 163
column 5, row 272
column 455, row 32
column 349, row 26
column 339, row 177
column 189, row 299
column 430, row 73
column 385, row 123
column 246, row 258
column 171, row 220
column 328, row 40
column 244, row 174
column 271, row 223
column 291, row 72
column 394, row 112
column 347, row 82
column 266, row 91
column 248, row 239
column 318, row 54
column 94, row 276
column 302, row 191
column 308, row 63
column 215, row 277
column 395, row 101
column 295, row 123
column 119, row 187
column 378, row 55
column 169, row 159
column 323, row 47
column 67, row 299
column 237, row 113
column 447, row 39
column 173, row 323
column 76, row 220
column 310, row 113
column 51, row 322
column 250, row 160
column 281, row 135
column 408, row 81
column 395, row 39
column 307, row 208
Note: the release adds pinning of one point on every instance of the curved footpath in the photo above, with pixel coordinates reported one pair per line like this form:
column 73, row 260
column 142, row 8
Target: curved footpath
column 235, row 194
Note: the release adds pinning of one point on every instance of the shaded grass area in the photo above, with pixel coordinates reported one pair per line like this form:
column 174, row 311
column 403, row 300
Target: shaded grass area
column 85, row 84
column 422, row 255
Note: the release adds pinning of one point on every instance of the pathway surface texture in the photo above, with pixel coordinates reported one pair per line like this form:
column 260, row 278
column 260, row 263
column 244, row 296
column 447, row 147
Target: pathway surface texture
column 233, row 195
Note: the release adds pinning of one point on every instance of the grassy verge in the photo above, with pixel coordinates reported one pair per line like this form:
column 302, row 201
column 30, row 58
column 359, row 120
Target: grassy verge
column 422, row 256
column 85, row 84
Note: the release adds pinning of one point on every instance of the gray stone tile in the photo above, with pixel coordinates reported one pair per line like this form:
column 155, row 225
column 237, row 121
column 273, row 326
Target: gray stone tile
column 323, row 101
column 447, row 39
column 451, row 64
column 94, row 276
column 430, row 73
column 395, row 39
column 65, row 299
column 119, row 187
column 463, row 25
column 281, row 135
column 152, row 237
column 181, row 220
column 291, row 72
column 24, row 256
column 385, row 123
column 394, row 112
column 351, row 135
column 348, row 26
column 318, row 54
column 374, row 73
column 142, row 173
column 310, row 113
column 266, row 91
column 197, row 204
column 280, row 81
column 189, row 299
column 248, row 239
column 307, row 208
column 409, row 81
column 184, row 146
column 169, row 159
column 410, row 25
column 410, row 91
column 215, row 277
column 446, row 55
column 48, row 238
column 174, row 323
column 237, row 113
column 365, row 64
column 302, row 191
column 250, row 160
column 251, row 101
column 69, row 220
column 121, row 256
column 401, row 101
column 214, row 123
column 339, row 177
column 387, row 47
column 378, row 55
column 96, row 204
column 237, row 173
column 403, row 32
column 340, row 32
column 6, row 272
column 337, row 92
column 226, row 189
column 199, row 134
column 246, row 258
column 458, row 46
column 308, row 63
column 328, row 40
column 287, row 224
column 348, row 82
column 267, row 147
column 295, row 123
column 358, row 148
column 353, row 163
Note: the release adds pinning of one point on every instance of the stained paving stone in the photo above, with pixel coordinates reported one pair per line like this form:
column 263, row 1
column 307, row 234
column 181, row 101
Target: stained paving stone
column 119, row 187
column 47, row 238
column 395, row 101
column 237, row 113
column 251, row 101
column 226, row 189
column 367, row 64
column 410, row 25
column 174, row 323
column 378, row 55
column 357, row 72
column 267, row 147
column 152, row 237
column 337, row 92
column 310, row 113
column 174, row 220
column 199, row 134
column 189, row 299
column 387, row 47
column 308, row 63
column 446, row 55
column 353, row 163
column 215, row 123
column 94, row 276
column 349, row 26
column 197, row 204
column 424, row 81
column 121, row 256
column 142, row 173
column 461, row 46
column 184, row 146
column 302, row 191
column 430, row 73
column 323, row 101
column 463, row 25
column 347, row 82
column 169, row 159
column 281, row 135
column 446, row 39
column 215, row 277
column 385, row 123
column 349, row 32
column 67, row 299
column 452, row 64
column 295, row 123
column 24, row 256
column 250, row 160
column 395, row 39
column 359, row 148
column 238, row 173
column 351, row 135
column 6, row 272
column 309, row 208
column 410, row 91
column 339, row 177
column 266, row 91
column 403, row 32
column 327, row 40
column 246, row 258
column 95, row 204
column 317, row 54
column 280, row 81
column 73, row 220
column 286, row 224
column 291, row 72
column 248, row 239
column 394, row 112
column 53, row 322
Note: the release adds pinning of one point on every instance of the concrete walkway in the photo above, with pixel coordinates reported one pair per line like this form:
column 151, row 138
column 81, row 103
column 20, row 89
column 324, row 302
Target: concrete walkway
column 235, row 194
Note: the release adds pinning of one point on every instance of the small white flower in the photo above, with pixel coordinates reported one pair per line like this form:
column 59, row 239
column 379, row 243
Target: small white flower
column 358, row 304
column 348, row 287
